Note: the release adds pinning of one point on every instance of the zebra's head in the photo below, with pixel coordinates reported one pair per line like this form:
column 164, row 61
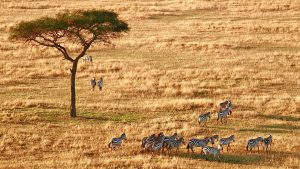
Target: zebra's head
column 123, row 136
column 232, row 138
column 209, row 114
column 215, row 137
column 175, row 135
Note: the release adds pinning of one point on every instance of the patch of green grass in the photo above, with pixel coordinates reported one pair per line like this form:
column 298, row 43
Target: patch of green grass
column 226, row 158
column 284, row 118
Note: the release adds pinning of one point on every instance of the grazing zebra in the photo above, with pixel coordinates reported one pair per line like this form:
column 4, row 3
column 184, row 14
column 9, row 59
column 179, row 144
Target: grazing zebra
column 175, row 144
column 223, row 115
column 212, row 150
column 226, row 141
column 158, row 144
column 168, row 139
column 117, row 142
column 213, row 138
column 87, row 59
column 226, row 104
column 267, row 142
column 93, row 83
column 252, row 143
column 198, row 143
column 204, row 118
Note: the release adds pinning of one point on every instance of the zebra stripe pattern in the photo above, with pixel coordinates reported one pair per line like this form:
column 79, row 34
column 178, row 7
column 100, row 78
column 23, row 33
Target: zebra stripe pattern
column 267, row 142
column 117, row 142
column 225, row 105
column 252, row 143
column 226, row 141
column 158, row 144
column 212, row 150
column 223, row 115
column 168, row 139
column 197, row 143
column 87, row 59
column 203, row 118
column 175, row 144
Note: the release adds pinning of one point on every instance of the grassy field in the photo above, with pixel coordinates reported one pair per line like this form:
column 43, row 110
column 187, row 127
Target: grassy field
column 180, row 59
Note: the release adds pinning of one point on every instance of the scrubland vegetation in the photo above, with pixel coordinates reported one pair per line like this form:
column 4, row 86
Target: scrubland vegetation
column 180, row 59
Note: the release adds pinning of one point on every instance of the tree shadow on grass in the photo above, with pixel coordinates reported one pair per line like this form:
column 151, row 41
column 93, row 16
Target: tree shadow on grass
column 225, row 158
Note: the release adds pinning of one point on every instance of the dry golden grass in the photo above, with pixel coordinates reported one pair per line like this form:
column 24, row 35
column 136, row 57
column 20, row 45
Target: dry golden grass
column 181, row 58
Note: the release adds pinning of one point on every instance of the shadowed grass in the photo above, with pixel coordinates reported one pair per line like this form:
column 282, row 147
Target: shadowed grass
column 286, row 127
column 263, row 130
column 232, row 159
column 111, row 116
column 284, row 118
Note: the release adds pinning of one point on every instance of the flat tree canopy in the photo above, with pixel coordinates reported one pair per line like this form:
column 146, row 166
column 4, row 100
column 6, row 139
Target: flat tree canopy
column 81, row 28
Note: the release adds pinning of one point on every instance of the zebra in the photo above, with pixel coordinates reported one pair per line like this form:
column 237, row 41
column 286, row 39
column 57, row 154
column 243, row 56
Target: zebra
column 87, row 59
column 151, row 140
column 226, row 104
column 197, row 143
column 175, row 144
column 168, row 139
column 212, row 150
column 226, row 141
column 213, row 138
column 158, row 144
column 223, row 115
column 204, row 118
column 252, row 143
column 93, row 83
column 148, row 139
column 117, row 142
column 267, row 142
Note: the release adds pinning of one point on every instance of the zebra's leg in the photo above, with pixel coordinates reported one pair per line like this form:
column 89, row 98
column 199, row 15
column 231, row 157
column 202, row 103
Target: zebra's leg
column 192, row 149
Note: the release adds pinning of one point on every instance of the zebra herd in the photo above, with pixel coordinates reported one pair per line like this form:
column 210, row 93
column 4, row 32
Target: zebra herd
column 160, row 142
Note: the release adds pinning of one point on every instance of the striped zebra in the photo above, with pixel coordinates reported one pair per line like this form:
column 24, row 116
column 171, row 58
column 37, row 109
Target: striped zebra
column 226, row 104
column 213, row 151
column 168, row 139
column 267, row 142
column 117, row 142
column 226, row 141
column 152, row 140
column 158, row 144
column 223, row 115
column 203, row 118
column 252, row 143
column 93, row 83
column 87, row 59
column 148, row 139
column 197, row 143
column 175, row 144
column 213, row 138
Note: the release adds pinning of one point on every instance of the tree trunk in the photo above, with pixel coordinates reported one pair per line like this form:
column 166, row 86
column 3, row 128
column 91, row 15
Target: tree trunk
column 73, row 92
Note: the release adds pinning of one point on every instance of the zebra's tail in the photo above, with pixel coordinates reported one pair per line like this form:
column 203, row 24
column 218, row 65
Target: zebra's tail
column 109, row 145
column 247, row 147
column 188, row 146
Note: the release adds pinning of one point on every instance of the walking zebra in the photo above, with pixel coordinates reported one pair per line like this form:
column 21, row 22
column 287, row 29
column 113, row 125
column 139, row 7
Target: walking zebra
column 197, row 143
column 93, row 83
column 267, row 142
column 252, row 143
column 226, row 104
column 158, row 144
column 87, row 59
column 226, row 141
column 213, row 151
column 168, row 139
column 175, row 144
column 223, row 115
column 203, row 118
column 148, row 139
column 117, row 142
column 152, row 140
column 213, row 138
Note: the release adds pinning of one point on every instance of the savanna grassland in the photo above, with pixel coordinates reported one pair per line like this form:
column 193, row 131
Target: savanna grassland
column 179, row 59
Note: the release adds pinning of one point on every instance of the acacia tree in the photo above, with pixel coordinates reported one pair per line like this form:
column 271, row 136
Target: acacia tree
column 82, row 28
